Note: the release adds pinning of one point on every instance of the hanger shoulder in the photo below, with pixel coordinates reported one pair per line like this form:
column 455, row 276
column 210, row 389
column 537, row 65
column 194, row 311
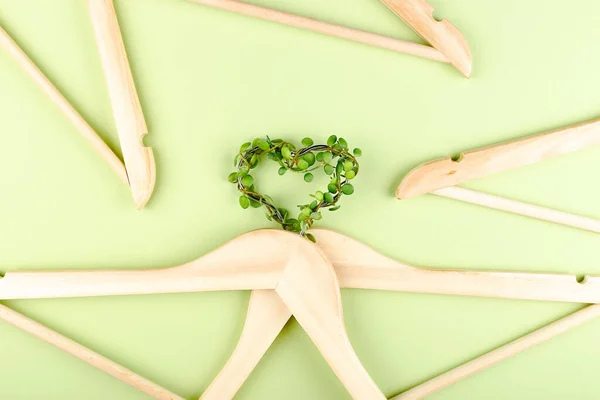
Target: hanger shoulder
column 489, row 160
column 309, row 289
column 442, row 35
column 267, row 316
column 251, row 261
column 131, row 126
column 358, row 266
column 84, row 129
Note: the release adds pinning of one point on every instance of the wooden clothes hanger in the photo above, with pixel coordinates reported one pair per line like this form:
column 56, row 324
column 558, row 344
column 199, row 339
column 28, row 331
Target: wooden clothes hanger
column 440, row 176
column 297, row 278
column 139, row 168
column 449, row 45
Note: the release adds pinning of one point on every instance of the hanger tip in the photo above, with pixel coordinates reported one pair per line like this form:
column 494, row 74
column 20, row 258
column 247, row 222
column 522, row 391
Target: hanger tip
column 142, row 189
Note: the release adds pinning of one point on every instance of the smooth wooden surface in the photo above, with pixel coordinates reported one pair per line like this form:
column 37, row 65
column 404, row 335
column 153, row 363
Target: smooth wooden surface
column 521, row 208
column 84, row 354
column 241, row 265
column 86, row 131
column 355, row 35
column 478, row 163
column 359, row 266
column 266, row 317
column 500, row 354
column 441, row 34
column 238, row 265
column 127, row 111
column 310, row 290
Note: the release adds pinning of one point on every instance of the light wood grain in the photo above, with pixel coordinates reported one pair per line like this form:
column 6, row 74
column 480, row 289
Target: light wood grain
column 84, row 129
column 359, row 266
column 325, row 28
column 478, row 163
column 520, row 208
column 500, row 354
column 310, row 290
column 127, row 111
column 241, row 265
column 266, row 317
column 442, row 35
column 84, row 354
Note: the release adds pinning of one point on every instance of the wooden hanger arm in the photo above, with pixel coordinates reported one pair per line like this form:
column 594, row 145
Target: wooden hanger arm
column 309, row 289
column 84, row 354
column 358, row 266
column 131, row 126
column 355, row 35
column 84, row 129
column 266, row 317
column 500, row 354
column 442, row 35
column 251, row 261
column 489, row 160
column 520, row 208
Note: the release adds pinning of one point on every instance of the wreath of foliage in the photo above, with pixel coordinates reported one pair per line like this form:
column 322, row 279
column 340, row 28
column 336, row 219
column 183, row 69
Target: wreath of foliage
column 333, row 158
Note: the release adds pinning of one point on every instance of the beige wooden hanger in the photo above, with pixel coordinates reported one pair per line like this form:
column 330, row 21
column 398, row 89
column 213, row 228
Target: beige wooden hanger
column 440, row 176
column 140, row 171
column 298, row 276
column 418, row 14
column 131, row 126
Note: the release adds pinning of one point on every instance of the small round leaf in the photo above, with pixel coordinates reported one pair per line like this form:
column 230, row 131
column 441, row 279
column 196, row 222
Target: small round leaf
column 350, row 174
column 331, row 140
column 263, row 145
column 302, row 165
column 282, row 170
column 244, row 202
column 247, row 181
column 357, row 152
column 307, row 142
column 308, row 177
column 286, row 152
column 348, row 189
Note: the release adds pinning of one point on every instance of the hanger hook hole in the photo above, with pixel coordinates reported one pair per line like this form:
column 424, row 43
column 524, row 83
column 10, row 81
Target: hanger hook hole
column 457, row 157
column 581, row 279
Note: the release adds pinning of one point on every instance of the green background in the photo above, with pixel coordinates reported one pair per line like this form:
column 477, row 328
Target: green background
column 208, row 81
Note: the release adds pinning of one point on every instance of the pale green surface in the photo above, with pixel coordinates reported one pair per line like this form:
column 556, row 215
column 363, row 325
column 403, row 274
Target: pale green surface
column 210, row 80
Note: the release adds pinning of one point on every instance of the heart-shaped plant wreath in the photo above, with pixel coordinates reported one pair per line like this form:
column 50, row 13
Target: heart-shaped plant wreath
column 334, row 158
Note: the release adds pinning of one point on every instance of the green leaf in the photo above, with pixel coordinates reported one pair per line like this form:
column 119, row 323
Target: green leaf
column 307, row 142
column 357, row 152
column 335, row 208
column 254, row 203
column 236, row 160
column 348, row 165
column 244, row 202
column 282, row 170
column 313, row 205
column 337, row 147
column 350, row 174
column 328, row 197
column 242, row 172
column 332, row 187
column 319, row 196
column 247, row 181
column 245, row 147
column 339, row 167
column 343, row 143
column 347, row 189
column 286, row 152
column 308, row 177
column 331, row 140
column 284, row 213
column 316, row 216
column 253, row 161
column 263, row 145
column 320, row 156
column 232, row 177
column 311, row 237
column 328, row 169
column 306, row 211
column 309, row 158
column 327, row 157
column 302, row 165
